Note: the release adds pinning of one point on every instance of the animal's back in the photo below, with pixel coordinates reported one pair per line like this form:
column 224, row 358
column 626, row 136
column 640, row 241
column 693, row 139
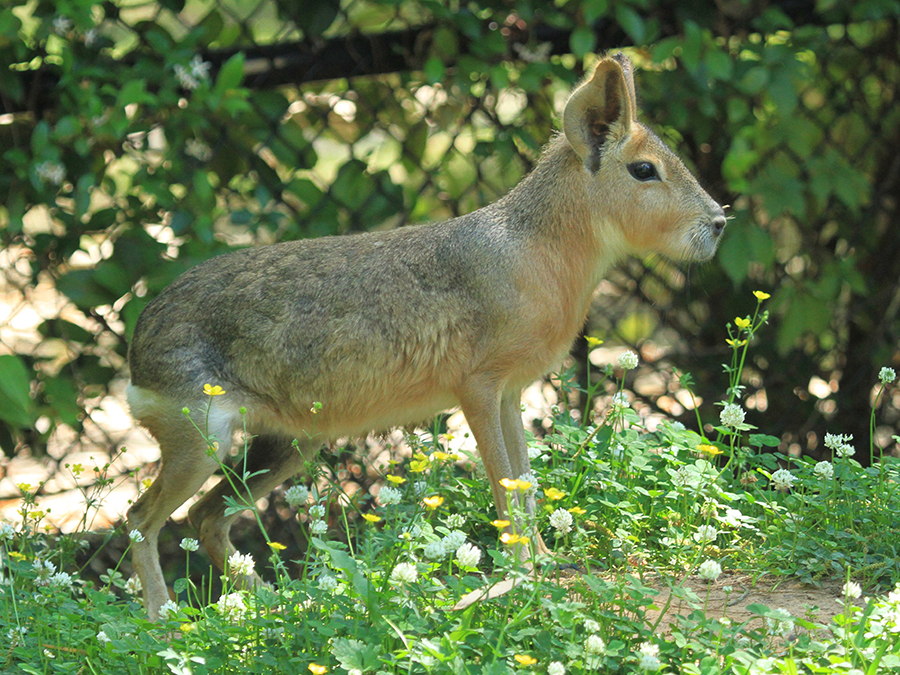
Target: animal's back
column 379, row 327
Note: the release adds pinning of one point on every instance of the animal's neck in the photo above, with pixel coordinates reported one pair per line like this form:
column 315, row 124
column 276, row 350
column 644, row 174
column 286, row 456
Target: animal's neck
column 552, row 207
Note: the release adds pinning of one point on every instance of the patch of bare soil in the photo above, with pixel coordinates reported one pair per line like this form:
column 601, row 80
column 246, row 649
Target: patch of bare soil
column 732, row 595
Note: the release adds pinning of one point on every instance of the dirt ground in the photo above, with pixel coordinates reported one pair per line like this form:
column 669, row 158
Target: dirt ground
column 731, row 595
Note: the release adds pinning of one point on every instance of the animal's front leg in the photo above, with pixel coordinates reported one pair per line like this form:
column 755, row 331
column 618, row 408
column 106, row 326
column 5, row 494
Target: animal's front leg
column 517, row 451
column 481, row 405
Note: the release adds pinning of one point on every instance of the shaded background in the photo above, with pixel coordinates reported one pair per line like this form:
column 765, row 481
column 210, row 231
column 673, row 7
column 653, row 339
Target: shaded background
column 138, row 138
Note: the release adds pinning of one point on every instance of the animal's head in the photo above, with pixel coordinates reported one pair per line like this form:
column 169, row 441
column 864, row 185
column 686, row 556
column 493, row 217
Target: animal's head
column 642, row 187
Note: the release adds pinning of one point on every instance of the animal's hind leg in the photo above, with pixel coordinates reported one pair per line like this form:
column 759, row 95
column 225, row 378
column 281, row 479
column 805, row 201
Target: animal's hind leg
column 185, row 467
column 277, row 459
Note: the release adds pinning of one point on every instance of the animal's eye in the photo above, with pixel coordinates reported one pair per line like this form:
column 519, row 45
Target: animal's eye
column 643, row 171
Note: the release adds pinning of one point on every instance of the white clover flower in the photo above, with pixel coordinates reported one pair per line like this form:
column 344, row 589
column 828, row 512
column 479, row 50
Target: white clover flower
column 453, row 540
column 824, row 470
column 62, row 25
column 43, row 569
column 318, row 527
column 852, row 590
column 594, row 644
column 628, row 360
column 103, row 638
column 434, row 550
column 184, row 77
column 296, row 495
column 189, row 544
column 133, row 585
column 389, row 496
column 240, row 564
column 887, row 375
column 561, row 521
column 200, row 68
column 732, row 415
column 468, row 555
column 782, row 480
column 710, row 570
column 327, row 583
column 168, row 610
column 7, row 531
column 456, row 521
column 780, row 625
column 317, row 511
column 845, row 451
column 91, row 36
column 705, row 533
column 61, row 580
column 649, row 656
column 556, row 668
column 620, row 403
column 136, row 536
column 50, row 172
column 232, row 607
column 840, row 444
column 198, row 150
column 405, row 573
column 15, row 635
column 591, row 626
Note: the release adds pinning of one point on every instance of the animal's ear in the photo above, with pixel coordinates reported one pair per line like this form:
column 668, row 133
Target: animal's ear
column 603, row 104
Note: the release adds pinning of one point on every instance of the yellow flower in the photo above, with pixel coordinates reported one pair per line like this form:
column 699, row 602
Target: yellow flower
column 147, row 482
column 276, row 546
column 509, row 538
column 441, row 456
column 447, row 437
column 396, row 480
column 761, row 296
column 24, row 487
column 420, row 464
column 211, row 390
column 709, row 449
column 17, row 555
column 37, row 514
column 525, row 660
column 508, row 483
column 577, row 510
column 316, row 669
column 736, row 343
column 187, row 627
column 500, row 524
column 516, row 484
column 77, row 469
column 592, row 341
column 433, row 502
column 372, row 518
column 743, row 324
column 554, row 494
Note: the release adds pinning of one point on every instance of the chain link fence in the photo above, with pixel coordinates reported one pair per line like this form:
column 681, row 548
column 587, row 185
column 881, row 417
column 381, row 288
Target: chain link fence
column 368, row 115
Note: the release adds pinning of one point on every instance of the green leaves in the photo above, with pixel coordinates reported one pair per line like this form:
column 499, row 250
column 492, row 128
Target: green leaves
column 16, row 405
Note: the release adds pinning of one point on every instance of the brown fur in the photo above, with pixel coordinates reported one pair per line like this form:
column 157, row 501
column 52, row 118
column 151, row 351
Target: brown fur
column 389, row 328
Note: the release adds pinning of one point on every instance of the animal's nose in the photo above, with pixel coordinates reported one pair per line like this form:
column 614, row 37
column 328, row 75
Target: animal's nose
column 718, row 225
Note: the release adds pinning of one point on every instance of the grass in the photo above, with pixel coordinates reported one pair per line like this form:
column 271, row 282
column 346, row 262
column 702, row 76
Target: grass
column 636, row 511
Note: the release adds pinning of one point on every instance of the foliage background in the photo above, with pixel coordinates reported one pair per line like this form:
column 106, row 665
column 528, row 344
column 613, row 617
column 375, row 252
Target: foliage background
column 329, row 116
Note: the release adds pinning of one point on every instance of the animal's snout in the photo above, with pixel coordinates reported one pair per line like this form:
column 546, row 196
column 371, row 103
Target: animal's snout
column 718, row 225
